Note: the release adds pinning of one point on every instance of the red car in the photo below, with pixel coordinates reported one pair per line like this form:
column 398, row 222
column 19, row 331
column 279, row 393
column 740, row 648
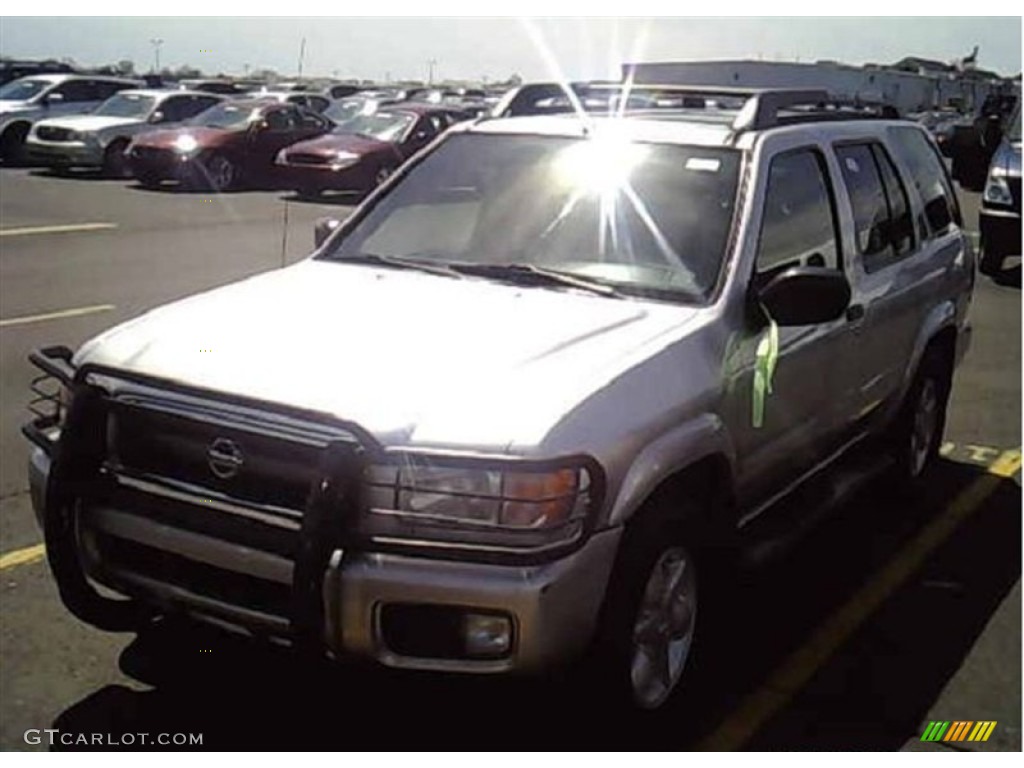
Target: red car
column 225, row 147
column 363, row 151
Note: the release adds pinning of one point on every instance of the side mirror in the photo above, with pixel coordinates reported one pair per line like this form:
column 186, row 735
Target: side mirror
column 257, row 126
column 53, row 99
column 323, row 229
column 156, row 117
column 805, row 295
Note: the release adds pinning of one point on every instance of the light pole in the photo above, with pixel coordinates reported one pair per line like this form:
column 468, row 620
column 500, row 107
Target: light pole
column 431, row 63
column 156, row 42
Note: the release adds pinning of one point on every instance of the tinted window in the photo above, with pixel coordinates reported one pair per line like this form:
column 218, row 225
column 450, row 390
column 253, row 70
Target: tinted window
column 929, row 177
column 106, row 89
column 78, row 90
column 883, row 226
column 870, row 210
column 280, row 119
column 798, row 225
column 901, row 223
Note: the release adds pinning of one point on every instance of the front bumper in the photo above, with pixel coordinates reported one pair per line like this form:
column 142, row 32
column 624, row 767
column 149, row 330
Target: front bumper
column 1000, row 232
column 64, row 153
column 174, row 551
column 357, row 178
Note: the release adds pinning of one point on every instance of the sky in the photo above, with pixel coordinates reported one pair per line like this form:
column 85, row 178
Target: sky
column 495, row 48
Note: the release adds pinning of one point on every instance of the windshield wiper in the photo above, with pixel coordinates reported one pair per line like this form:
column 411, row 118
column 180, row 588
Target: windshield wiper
column 400, row 262
column 531, row 273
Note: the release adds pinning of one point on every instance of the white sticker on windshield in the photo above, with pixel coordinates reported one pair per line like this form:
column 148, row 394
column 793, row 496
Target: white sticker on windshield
column 852, row 165
column 703, row 164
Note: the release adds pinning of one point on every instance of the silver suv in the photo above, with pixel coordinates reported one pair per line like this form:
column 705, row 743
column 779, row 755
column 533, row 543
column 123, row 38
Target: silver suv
column 517, row 405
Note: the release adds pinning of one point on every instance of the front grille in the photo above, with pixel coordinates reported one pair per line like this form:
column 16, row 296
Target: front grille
column 306, row 158
column 153, row 443
column 155, row 154
column 52, row 133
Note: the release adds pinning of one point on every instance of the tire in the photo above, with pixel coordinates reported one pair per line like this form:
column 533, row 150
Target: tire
column 916, row 435
column 12, row 144
column 148, row 180
column 648, row 621
column 309, row 193
column 989, row 262
column 115, row 164
column 220, row 172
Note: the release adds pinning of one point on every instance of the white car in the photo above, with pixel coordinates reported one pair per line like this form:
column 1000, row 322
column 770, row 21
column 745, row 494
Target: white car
column 99, row 139
column 27, row 100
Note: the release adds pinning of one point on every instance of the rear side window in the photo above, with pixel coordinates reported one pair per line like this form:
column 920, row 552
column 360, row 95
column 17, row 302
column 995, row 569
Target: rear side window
column 930, row 178
column 798, row 226
column 881, row 214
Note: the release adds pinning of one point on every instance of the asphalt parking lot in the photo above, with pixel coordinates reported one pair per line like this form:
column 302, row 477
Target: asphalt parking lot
column 885, row 615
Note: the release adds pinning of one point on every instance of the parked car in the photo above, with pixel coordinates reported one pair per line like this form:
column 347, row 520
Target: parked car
column 1000, row 203
column 361, row 153
column 343, row 90
column 12, row 70
column 99, row 139
column 24, row 101
column 520, row 404
column 232, row 144
column 313, row 101
column 221, row 87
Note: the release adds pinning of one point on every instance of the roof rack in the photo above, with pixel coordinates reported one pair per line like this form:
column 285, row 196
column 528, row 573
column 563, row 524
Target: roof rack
column 757, row 108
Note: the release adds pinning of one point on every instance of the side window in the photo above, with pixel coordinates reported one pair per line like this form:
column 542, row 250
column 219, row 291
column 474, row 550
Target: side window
column 901, row 223
column 870, row 209
column 798, row 226
column 105, row 89
column 280, row 120
column 318, row 103
column 175, row 109
column 78, row 90
column 310, row 120
column 201, row 104
column 881, row 211
column 929, row 177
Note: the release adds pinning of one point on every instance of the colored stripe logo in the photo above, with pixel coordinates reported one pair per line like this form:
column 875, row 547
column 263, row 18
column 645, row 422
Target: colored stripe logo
column 958, row 730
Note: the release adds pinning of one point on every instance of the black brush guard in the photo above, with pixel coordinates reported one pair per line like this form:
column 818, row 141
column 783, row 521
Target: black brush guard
column 329, row 522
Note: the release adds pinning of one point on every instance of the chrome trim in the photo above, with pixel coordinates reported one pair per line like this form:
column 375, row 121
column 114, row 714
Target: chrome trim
column 198, row 547
column 462, row 547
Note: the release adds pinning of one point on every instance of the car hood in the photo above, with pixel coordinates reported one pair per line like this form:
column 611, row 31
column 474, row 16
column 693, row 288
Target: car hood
column 332, row 143
column 87, row 123
column 413, row 358
column 204, row 137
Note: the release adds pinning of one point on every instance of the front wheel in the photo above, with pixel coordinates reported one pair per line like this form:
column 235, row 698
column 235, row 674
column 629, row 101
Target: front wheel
column 649, row 619
column 220, row 172
column 115, row 164
column 12, row 144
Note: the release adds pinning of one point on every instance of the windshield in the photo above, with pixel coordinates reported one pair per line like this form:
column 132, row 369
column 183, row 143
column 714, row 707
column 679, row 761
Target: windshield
column 386, row 126
column 227, row 116
column 22, row 90
column 646, row 219
column 126, row 105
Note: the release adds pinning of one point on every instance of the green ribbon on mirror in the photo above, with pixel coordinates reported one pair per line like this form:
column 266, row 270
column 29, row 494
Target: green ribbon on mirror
column 765, row 358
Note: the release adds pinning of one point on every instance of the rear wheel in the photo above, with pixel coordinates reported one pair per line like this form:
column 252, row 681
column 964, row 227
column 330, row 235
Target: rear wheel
column 916, row 435
column 115, row 164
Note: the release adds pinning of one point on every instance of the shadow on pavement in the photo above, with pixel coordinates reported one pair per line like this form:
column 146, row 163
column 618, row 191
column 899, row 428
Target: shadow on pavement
column 871, row 694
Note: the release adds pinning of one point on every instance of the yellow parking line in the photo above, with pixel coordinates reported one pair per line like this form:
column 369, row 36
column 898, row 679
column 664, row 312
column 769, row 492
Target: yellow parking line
column 25, row 556
column 58, row 229
column 56, row 315
column 796, row 671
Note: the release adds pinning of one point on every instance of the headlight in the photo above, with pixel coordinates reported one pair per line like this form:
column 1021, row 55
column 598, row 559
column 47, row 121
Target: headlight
column 997, row 191
column 344, row 160
column 186, row 144
column 525, row 508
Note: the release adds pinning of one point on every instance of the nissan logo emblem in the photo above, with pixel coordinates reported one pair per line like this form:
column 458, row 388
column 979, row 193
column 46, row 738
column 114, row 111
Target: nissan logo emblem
column 225, row 458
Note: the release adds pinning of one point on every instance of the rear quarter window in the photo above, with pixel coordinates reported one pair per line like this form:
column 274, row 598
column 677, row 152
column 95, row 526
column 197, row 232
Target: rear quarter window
column 928, row 175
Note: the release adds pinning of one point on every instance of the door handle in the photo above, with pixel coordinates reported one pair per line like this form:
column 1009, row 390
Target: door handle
column 855, row 312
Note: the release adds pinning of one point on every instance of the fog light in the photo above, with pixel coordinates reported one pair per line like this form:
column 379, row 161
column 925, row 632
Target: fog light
column 487, row 635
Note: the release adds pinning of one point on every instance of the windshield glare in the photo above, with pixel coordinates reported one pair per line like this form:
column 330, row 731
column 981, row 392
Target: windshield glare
column 126, row 105
column 385, row 126
column 227, row 116
column 346, row 109
column 647, row 219
column 22, row 90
